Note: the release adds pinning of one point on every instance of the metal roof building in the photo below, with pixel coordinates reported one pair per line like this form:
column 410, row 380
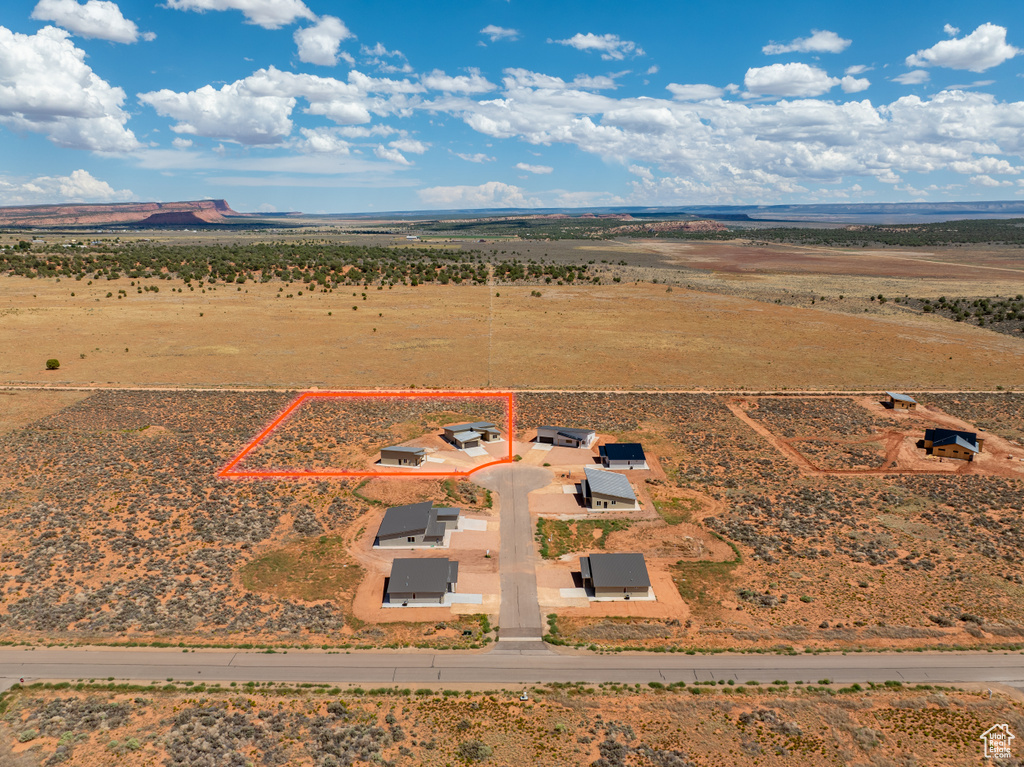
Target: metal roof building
column 416, row 524
column 901, row 401
column 560, row 435
column 606, row 483
column 605, row 490
column 474, row 426
column 467, row 434
column 615, row 574
column 422, row 580
column 939, row 437
column 626, row 455
column 402, row 456
column 948, row 443
column 901, row 397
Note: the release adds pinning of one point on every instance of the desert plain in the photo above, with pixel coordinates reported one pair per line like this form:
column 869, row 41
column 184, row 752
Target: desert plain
column 784, row 510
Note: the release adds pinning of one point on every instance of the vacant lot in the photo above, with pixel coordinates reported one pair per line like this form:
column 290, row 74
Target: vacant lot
column 609, row 725
column 463, row 337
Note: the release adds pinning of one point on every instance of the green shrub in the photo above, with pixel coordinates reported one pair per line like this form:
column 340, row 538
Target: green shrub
column 52, row 364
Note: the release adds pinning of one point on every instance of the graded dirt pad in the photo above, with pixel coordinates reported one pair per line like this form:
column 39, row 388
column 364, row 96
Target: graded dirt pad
column 693, row 726
column 459, row 337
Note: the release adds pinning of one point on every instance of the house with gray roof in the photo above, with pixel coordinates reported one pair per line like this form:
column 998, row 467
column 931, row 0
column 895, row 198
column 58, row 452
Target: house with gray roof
column 616, row 576
column 464, row 435
column 901, row 401
column 565, row 437
column 402, row 456
column 948, row 443
column 415, row 525
column 605, row 490
column 625, row 455
column 421, row 581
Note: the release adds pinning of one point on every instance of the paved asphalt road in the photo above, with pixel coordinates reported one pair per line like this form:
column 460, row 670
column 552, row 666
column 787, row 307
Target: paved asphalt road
column 518, row 658
column 519, row 616
column 501, row 667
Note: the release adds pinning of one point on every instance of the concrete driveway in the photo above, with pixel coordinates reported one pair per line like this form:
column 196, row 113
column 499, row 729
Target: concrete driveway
column 520, row 616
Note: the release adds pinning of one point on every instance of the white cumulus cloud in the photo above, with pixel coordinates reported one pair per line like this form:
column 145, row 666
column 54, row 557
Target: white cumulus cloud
column 984, row 48
column 320, row 43
column 493, row 194
column 379, row 56
column 793, row 80
column 410, row 145
column 695, row 91
column 46, row 87
column 391, row 155
column 735, row 151
column 820, row 41
column 538, row 169
column 322, row 141
column 854, row 84
column 984, row 180
column 475, row 157
column 472, row 83
column 79, row 186
column 915, row 77
column 232, row 112
column 99, row 19
column 496, row 33
column 611, row 47
column 269, row 14
column 257, row 110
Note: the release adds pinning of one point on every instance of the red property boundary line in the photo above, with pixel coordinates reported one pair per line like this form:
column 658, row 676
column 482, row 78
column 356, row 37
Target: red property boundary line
column 229, row 471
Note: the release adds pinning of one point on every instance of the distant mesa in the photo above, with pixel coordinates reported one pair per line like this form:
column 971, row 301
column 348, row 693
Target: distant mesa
column 702, row 225
column 145, row 214
column 183, row 218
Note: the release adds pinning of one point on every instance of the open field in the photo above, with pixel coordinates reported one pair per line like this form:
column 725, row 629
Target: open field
column 607, row 725
column 459, row 337
column 115, row 528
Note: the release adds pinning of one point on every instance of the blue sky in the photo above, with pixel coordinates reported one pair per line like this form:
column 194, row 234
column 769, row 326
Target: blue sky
column 349, row 107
